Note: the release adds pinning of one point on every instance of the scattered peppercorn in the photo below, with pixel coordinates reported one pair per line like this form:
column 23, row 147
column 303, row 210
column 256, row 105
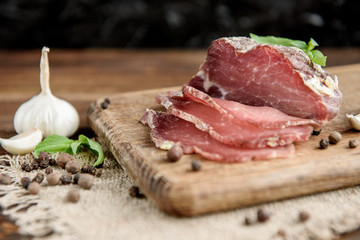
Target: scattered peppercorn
column 93, row 171
column 195, row 165
column 98, row 173
column 135, row 192
column 43, row 156
column 76, row 178
column 34, row 165
column 65, row 179
column 86, row 169
column 63, row 159
column 5, row 179
column 34, row 188
column 72, row 167
column 38, row 160
column 49, row 170
column 263, row 215
column 25, row 181
column 39, row 177
column 73, row 195
column 316, row 132
column 26, row 167
column 107, row 100
column 52, row 161
column 53, row 179
column 304, row 216
column 281, row 233
column 175, row 153
column 324, row 144
column 44, row 163
column 104, row 105
column 353, row 143
column 335, row 137
column 86, row 181
column 247, row 221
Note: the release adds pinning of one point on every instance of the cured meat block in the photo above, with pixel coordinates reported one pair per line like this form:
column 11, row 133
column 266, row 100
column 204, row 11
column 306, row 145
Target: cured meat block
column 166, row 130
column 239, row 69
column 225, row 128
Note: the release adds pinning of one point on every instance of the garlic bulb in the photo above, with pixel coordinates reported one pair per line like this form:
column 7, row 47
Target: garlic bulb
column 354, row 121
column 22, row 143
column 45, row 111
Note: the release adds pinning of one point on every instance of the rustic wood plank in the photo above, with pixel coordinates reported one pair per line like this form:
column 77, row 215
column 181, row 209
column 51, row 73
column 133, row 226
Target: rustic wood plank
column 177, row 190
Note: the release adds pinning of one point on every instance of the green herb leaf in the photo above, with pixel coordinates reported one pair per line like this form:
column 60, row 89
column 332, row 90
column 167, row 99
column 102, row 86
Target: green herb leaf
column 315, row 55
column 56, row 143
column 94, row 147
column 52, row 144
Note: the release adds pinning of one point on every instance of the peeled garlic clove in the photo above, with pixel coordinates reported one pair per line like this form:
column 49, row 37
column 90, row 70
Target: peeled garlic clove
column 45, row 111
column 22, row 143
column 354, row 121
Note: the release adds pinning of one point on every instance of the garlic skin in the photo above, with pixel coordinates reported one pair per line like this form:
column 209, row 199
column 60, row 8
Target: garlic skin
column 46, row 112
column 354, row 121
column 22, row 143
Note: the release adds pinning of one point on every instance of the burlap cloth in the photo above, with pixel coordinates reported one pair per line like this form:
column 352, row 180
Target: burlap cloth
column 107, row 211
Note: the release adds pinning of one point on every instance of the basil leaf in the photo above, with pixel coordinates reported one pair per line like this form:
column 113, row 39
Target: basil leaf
column 75, row 147
column 315, row 55
column 94, row 147
column 52, row 144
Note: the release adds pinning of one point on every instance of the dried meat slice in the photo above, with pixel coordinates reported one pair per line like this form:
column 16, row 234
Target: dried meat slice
column 223, row 128
column 167, row 130
column 239, row 69
column 262, row 116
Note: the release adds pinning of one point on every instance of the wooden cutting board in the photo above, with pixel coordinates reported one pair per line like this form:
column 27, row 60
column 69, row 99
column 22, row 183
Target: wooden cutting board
column 174, row 188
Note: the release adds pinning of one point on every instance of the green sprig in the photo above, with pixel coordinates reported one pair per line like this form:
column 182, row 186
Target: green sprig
column 315, row 55
column 56, row 143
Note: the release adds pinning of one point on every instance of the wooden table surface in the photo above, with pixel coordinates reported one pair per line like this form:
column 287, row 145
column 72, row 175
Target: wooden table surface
column 82, row 76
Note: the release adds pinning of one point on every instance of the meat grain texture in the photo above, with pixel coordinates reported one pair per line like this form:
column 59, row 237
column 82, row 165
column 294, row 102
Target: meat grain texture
column 248, row 101
column 239, row 69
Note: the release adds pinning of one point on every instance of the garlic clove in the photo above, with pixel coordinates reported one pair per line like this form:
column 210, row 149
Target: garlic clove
column 22, row 143
column 45, row 111
column 354, row 121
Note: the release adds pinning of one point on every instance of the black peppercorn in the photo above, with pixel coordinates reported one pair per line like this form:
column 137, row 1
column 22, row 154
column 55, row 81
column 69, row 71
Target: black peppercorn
column 107, row 100
column 304, row 216
column 324, row 144
column 263, row 215
column 44, row 164
column 52, row 161
column 65, row 179
column 76, row 178
column 43, row 156
column 196, row 165
column 353, row 143
column 247, row 221
column 134, row 191
column 86, row 169
column 25, row 181
column 316, row 132
column 39, row 177
column 49, row 170
column 26, row 167
column 98, row 173
column 104, row 105
column 34, row 165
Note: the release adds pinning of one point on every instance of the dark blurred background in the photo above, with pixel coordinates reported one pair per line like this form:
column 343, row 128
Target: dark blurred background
column 176, row 24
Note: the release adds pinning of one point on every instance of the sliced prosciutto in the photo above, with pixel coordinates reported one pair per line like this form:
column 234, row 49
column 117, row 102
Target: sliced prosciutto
column 166, row 130
column 223, row 127
column 262, row 116
column 239, row 69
